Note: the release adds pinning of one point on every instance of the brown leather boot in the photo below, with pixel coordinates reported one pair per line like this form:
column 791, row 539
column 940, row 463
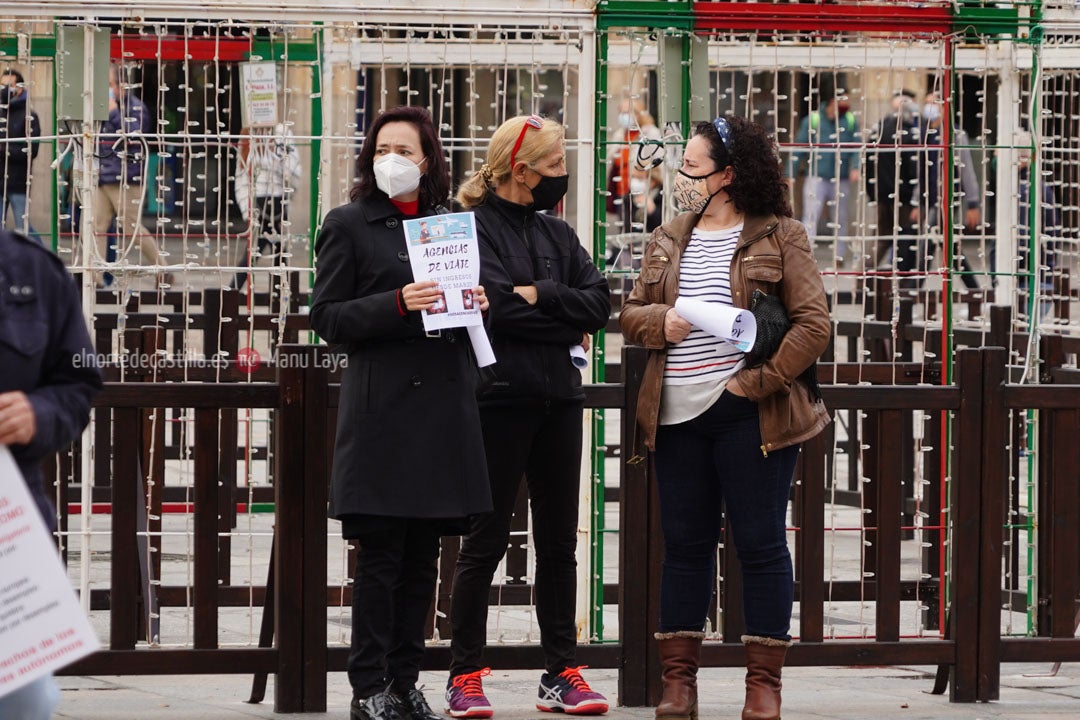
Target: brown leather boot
column 764, row 661
column 680, row 653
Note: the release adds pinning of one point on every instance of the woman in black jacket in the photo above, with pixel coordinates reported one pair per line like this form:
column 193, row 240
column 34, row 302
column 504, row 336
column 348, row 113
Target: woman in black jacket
column 408, row 460
column 546, row 296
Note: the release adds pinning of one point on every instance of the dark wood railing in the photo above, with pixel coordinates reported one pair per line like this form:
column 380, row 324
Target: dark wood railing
column 303, row 402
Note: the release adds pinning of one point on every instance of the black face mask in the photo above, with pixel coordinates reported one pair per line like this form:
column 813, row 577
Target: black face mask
column 549, row 191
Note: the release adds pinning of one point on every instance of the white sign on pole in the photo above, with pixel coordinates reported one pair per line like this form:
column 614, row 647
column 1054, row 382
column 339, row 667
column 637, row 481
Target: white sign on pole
column 42, row 626
column 259, row 92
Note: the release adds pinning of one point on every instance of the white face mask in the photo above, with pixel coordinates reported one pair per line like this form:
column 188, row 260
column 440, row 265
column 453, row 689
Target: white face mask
column 396, row 175
column 637, row 186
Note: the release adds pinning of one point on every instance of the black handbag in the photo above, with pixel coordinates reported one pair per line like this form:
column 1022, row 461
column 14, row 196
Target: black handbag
column 772, row 325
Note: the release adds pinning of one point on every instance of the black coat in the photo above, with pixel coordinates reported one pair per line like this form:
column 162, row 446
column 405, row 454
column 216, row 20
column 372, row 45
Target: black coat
column 532, row 342
column 408, row 433
column 45, row 352
column 18, row 125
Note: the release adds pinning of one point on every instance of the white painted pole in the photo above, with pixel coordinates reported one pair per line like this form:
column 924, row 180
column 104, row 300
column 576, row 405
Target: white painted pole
column 86, row 243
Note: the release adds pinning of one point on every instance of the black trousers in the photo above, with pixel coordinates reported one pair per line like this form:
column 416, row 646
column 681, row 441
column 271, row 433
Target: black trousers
column 541, row 442
column 393, row 590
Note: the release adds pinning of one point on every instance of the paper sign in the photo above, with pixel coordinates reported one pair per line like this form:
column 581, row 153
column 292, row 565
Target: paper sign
column 732, row 324
column 259, row 93
column 481, row 346
column 444, row 248
column 42, row 626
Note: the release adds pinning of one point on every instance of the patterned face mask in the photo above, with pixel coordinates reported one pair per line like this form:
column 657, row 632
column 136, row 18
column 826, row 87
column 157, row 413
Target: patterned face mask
column 691, row 192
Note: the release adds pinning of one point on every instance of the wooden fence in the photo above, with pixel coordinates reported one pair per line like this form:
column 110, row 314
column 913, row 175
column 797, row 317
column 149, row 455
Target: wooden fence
column 303, row 402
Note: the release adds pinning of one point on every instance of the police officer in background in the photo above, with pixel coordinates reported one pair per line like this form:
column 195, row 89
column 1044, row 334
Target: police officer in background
column 48, row 380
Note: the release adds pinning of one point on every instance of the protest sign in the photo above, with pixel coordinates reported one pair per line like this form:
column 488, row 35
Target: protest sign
column 444, row 248
column 42, row 626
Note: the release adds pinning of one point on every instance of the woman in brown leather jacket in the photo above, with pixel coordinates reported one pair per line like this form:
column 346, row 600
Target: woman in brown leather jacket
column 722, row 433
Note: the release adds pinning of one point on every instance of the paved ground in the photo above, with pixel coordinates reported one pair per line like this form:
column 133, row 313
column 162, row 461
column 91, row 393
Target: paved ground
column 810, row 694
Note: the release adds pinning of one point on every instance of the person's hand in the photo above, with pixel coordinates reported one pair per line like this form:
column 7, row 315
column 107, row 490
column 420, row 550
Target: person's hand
column 585, row 340
column 113, row 105
column 676, row 327
column 972, row 218
column 914, row 215
column 17, row 422
column 421, row 295
column 480, row 298
column 528, row 292
column 734, row 387
column 853, row 176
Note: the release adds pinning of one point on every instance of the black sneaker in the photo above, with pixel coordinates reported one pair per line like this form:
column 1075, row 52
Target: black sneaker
column 413, row 705
column 382, row 706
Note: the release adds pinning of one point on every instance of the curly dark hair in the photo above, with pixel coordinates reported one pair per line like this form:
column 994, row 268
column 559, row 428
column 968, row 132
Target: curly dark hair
column 435, row 183
column 758, row 187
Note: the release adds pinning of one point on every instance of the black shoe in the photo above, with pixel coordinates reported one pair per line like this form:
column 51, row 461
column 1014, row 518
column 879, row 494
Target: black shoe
column 383, row 706
column 414, row 706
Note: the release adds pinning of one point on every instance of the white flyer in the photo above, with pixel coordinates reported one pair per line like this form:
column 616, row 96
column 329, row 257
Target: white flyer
column 444, row 248
column 42, row 625
column 735, row 325
column 259, row 94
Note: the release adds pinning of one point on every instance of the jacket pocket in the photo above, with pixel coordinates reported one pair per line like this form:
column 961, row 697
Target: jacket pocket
column 365, row 387
column 26, row 337
column 654, row 267
column 763, row 268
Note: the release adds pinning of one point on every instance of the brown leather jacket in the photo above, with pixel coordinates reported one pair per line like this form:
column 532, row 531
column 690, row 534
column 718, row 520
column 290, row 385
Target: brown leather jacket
column 772, row 254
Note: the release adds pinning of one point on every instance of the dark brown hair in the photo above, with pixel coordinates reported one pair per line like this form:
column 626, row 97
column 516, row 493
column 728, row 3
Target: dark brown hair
column 435, row 182
column 758, row 187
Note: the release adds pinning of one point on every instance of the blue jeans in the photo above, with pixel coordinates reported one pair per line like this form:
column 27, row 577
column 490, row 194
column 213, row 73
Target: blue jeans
column 35, row 701
column 713, row 460
column 21, row 223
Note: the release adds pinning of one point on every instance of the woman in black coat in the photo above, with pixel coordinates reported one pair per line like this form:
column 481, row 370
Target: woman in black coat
column 408, row 459
column 546, row 296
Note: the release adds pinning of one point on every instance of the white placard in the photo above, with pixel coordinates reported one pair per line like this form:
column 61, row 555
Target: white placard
column 735, row 325
column 42, row 626
column 444, row 248
column 579, row 357
column 481, row 346
column 258, row 94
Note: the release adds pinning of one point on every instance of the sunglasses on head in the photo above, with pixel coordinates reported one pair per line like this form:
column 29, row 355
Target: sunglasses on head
column 723, row 129
column 533, row 121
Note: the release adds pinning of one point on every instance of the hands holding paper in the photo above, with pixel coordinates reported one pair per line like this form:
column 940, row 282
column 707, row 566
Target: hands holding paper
column 424, row 295
column 676, row 327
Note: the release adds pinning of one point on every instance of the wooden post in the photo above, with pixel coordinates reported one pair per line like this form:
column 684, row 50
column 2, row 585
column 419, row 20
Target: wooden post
column 639, row 551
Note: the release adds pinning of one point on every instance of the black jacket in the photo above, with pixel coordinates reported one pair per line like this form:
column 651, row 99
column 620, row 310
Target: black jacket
column 408, row 428
column 894, row 141
column 45, row 352
column 17, row 126
column 532, row 342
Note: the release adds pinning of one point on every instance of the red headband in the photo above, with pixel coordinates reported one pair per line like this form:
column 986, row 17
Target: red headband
column 533, row 121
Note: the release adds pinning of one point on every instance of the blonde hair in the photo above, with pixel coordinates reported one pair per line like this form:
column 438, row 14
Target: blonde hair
column 535, row 146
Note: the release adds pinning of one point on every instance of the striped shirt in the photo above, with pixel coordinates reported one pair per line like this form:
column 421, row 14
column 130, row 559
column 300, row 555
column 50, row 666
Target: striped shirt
column 698, row 367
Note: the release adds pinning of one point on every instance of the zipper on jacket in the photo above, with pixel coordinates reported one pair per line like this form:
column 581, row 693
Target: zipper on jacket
column 764, row 452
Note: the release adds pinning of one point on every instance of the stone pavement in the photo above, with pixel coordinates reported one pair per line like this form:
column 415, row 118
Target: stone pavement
column 835, row 693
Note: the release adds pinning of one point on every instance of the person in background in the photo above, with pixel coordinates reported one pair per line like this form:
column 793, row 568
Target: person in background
column 724, row 436
column 936, row 215
column 892, row 183
column 828, row 137
column 1048, row 243
column 408, row 458
column 546, row 296
column 636, row 129
column 269, row 162
column 18, row 127
column 48, row 382
column 122, row 154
